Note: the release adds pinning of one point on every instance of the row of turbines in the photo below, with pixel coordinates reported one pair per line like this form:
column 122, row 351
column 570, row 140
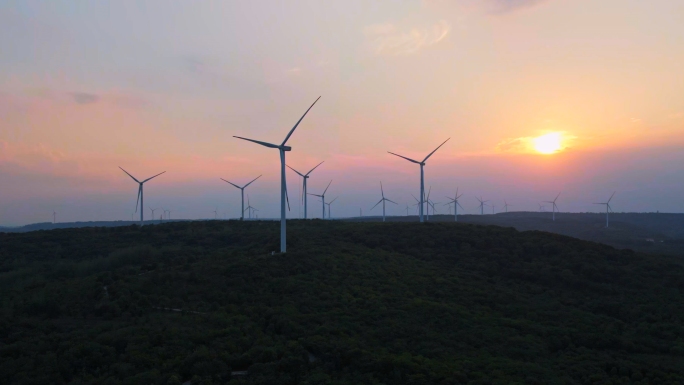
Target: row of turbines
column 283, row 148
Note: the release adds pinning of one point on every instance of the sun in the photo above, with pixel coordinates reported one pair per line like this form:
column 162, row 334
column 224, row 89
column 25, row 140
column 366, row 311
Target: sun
column 548, row 143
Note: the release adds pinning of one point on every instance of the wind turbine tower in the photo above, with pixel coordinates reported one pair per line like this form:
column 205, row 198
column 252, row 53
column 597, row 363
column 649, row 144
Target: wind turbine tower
column 140, row 194
column 608, row 208
column 383, row 202
column 283, row 183
column 506, row 205
column 422, row 174
column 553, row 207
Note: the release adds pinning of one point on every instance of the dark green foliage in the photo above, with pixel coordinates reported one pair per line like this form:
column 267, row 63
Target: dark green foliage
column 350, row 303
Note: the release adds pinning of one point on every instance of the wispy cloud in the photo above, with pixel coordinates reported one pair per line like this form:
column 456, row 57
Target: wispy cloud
column 386, row 39
column 496, row 7
column 84, row 98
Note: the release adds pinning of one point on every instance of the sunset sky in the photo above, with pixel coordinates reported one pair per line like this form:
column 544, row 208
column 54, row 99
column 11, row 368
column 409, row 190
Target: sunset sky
column 86, row 87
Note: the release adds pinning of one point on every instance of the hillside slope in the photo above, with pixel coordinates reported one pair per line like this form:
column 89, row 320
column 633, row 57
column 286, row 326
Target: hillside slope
column 350, row 303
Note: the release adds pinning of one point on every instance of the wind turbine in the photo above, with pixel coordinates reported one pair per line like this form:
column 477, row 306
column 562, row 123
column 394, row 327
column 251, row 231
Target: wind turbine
column 383, row 202
column 249, row 208
column 608, row 208
column 427, row 200
column 153, row 210
column 242, row 194
column 305, row 177
column 553, row 207
column 422, row 174
column 493, row 207
column 542, row 208
column 506, row 205
column 140, row 194
column 407, row 210
column 215, row 213
column 322, row 196
column 331, row 202
column 54, row 216
column 283, row 183
column 456, row 204
column 482, row 205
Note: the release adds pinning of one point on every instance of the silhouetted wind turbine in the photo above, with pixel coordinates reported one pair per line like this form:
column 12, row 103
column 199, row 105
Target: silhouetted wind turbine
column 242, row 194
column 215, row 213
column 608, row 208
column 249, row 208
column 305, row 177
column 54, row 216
column 322, row 196
column 140, row 193
column 506, row 205
column 331, row 202
column 454, row 200
column 541, row 207
column 283, row 183
column 422, row 174
column 553, row 207
column 482, row 205
column 153, row 210
column 383, row 202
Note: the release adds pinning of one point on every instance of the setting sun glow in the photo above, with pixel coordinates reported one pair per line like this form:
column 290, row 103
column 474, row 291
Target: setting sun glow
column 548, row 144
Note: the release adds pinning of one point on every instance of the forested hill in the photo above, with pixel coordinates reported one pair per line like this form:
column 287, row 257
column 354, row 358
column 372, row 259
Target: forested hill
column 350, row 303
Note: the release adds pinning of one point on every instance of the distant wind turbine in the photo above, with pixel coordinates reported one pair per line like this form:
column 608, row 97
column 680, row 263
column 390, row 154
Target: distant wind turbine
column 383, row 202
column 215, row 213
column 54, row 216
column 454, row 200
column 422, row 174
column 482, row 205
column 331, row 202
column 305, row 177
column 242, row 194
column 153, row 210
column 553, row 207
column 283, row 183
column 249, row 208
column 506, row 205
column 542, row 208
column 140, row 194
column 493, row 208
column 608, row 208
column 322, row 196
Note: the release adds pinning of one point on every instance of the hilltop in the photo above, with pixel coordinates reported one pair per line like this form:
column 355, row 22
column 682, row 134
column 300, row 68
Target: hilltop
column 350, row 303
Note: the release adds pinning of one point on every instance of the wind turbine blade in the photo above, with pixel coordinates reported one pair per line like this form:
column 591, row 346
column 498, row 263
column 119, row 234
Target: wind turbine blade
column 258, row 142
column 331, row 202
column 138, row 200
column 287, row 198
column 231, row 183
column 316, row 195
column 389, row 200
column 152, row 177
column 326, row 189
column 426, row 158
column 459, row 205
column 414, row 197
column 611, row 197
column 459, row 197
column 252, row 181
column 428, row 196
column 299, row 121
column 300, row 174
column 129, row 174
column 382, row 192
column 409, row 159
column 380, row 201
column 313, row 168
column 557, row 196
